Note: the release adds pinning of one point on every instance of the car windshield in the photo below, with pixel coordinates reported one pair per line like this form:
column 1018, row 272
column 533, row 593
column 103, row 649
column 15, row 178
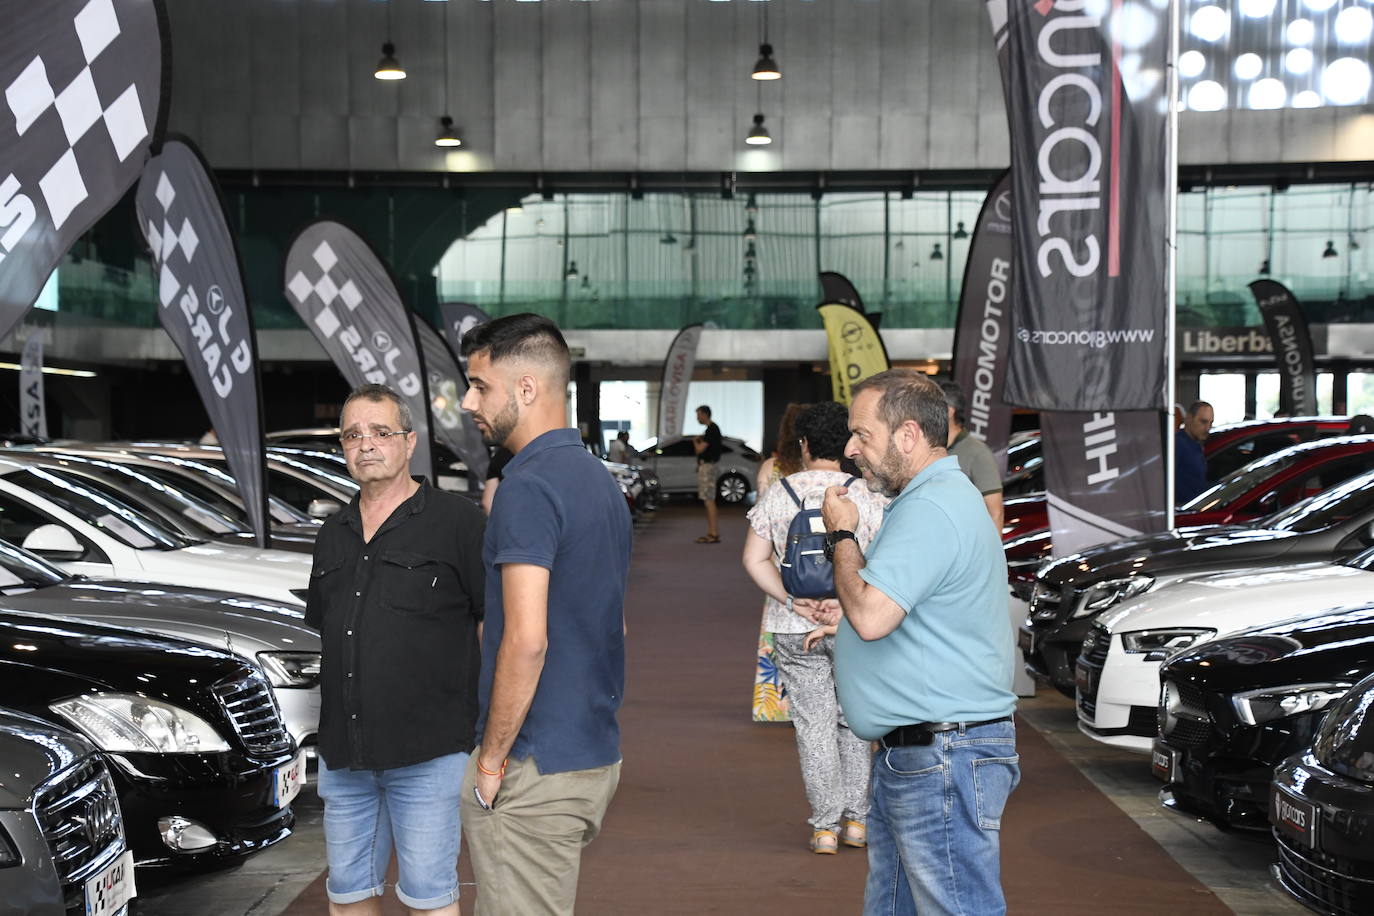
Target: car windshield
column 1239, row 482
column 184, row 473
column 1327, row 508
column 188, row 514
column 1363, row 560
column 21, row 571
column 96, row 505
column 334, row 478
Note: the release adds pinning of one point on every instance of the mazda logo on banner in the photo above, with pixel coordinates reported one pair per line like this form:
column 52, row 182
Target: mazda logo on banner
column 1087, row 108
column 83, row 89
column 346, row 297
column 203, row 308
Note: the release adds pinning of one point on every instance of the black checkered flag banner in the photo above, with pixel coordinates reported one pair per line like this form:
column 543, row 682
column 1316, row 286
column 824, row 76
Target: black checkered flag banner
column 202, row 305
column 453, row 426
column 347, row 299
column 83, row 87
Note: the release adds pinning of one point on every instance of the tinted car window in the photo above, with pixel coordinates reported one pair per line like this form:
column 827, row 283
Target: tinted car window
column 1236, row 456
column 1237, row 484
column 99, row 507
column 18, row 519
column 30, row 570
column 677, row 449
column 1345, row 742
column 1326, row 509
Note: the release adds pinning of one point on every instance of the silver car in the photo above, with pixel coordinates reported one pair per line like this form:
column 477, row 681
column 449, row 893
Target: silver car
column 268, row 634
column 675, row 467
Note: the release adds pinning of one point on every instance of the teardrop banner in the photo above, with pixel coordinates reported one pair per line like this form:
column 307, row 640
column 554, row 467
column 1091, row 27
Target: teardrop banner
column 457, row 319
column 204, row 309
column 678, row 367
column 33, row 410
column 983, row 329
column 1089, row 126
column 453, row 426
column 84, row 89
column 348, row 300
column 1292, row 340
column 855, row 346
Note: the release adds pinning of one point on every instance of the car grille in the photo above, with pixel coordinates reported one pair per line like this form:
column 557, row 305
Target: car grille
column 249, row 703
column 1044, row 603
column 1095, row 647
column 1328, row 883
column 78, row 812
column 1188, row 725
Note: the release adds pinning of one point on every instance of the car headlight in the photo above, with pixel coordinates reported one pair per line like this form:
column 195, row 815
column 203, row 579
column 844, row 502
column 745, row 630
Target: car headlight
column 291, row 669
column 1256, row 706
column 1157, row 645
column 1104, row 594
column 128, row 722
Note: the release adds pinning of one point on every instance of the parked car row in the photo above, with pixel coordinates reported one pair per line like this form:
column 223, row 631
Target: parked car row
column 1236, row 652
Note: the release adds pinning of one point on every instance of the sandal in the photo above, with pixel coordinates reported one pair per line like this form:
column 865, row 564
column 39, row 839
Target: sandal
column 855, row 834
column 823, row 843
column 709, row 539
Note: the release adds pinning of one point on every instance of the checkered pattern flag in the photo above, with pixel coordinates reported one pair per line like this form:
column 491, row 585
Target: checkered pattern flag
column 82, row 86
column 202, row 306
column 347, row 299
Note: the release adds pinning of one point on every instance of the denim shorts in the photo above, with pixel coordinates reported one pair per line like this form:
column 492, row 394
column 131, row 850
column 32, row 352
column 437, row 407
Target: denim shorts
column 414, row 808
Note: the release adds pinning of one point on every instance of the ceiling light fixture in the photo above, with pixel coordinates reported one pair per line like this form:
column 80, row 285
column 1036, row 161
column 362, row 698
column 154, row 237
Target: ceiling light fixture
column 750, row 233
column 936, row 254
column 389, row 68
column 572, row 271
column 1264, row 268
column 758, row 134
column 959, row 231
column 1330, row 251
column 766, row 68
column 447, row 137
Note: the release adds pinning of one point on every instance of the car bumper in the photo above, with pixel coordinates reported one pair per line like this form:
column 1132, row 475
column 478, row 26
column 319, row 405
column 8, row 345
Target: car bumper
column 228, row 793
column 1119, row 704
column 1331, row 867
column 1055, row 651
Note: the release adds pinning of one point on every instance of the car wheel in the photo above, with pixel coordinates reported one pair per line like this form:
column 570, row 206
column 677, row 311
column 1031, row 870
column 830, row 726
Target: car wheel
column 732, row 488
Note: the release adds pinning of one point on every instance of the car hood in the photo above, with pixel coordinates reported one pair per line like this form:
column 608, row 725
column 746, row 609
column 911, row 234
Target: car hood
column 1206, row 545
column 239, row 624
column 33, row 751
column 1230, row 601
column 1332, row 646
column 232, row 568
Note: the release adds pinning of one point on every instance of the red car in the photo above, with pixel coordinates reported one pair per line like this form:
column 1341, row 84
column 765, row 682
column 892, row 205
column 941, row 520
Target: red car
column 1260, row 488
column 1228, row 449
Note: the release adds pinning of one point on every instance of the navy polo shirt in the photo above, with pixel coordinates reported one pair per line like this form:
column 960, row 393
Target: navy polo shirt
column 559, row 507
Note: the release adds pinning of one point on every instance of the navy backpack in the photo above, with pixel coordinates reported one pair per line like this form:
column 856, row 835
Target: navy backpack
column 806, row 573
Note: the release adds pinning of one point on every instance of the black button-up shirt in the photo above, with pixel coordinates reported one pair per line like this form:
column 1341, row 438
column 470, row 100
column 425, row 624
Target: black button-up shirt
column 398, row 619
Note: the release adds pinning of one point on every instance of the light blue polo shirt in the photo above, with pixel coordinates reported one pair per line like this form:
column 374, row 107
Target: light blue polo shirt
column 939, row 557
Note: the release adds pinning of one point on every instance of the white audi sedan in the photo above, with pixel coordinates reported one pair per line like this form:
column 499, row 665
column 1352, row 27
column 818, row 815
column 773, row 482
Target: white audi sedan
column 1118, row 670
column 88, row 529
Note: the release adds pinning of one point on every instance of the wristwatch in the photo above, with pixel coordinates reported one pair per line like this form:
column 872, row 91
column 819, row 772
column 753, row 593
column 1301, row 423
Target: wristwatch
column 834, row 537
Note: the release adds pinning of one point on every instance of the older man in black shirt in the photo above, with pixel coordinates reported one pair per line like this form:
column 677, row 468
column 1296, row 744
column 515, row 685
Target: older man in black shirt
column 397, row 595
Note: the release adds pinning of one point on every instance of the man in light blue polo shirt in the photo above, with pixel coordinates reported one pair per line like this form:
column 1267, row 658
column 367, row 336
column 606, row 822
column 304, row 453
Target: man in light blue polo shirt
column 923, row 658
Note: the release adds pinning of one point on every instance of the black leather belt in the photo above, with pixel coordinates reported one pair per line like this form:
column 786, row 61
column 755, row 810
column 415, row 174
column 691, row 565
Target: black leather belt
column 923, row 733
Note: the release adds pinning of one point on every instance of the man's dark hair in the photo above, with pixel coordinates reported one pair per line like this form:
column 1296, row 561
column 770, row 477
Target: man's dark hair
column 906, row 394
column 825, row 427
column 524, row 336
column 1194, row 407
column 954, row 397
column 377, row 394
column 704, row 409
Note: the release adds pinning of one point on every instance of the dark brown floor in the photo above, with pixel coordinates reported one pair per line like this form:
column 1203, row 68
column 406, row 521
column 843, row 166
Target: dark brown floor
column 711, row 818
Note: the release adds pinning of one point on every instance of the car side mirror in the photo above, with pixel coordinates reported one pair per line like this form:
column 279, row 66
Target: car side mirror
column 322, row 508
column 54, row 542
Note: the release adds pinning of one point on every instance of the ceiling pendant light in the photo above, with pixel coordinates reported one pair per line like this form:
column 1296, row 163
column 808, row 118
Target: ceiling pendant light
column 750, row 233
column 572, row 271
column 936, row 254
column 960, row 232
column 758, row 135
column 766, row 68
column 389, row 68
column 1264, row 268
column 446, row 136
column 1330, row 251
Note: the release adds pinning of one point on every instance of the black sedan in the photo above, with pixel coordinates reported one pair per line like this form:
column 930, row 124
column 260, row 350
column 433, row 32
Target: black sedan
column 1232, row 709
column 1070, row 593
column 204, row 769
column 1322, row 807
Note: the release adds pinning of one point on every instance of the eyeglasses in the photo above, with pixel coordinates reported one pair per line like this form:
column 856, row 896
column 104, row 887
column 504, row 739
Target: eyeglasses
column 354, row 440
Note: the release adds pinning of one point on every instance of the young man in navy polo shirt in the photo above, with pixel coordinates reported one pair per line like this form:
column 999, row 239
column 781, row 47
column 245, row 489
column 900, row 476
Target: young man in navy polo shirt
column 557, row 554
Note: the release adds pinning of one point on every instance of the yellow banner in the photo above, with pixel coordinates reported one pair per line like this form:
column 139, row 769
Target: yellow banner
column 856, row 350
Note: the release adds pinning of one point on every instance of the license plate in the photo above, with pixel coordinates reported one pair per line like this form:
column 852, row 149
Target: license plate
column 1164, row 762
column 1084, row 678
column 1025, row 638
column 1295, row 818
column 108, row 891
column 290, row 778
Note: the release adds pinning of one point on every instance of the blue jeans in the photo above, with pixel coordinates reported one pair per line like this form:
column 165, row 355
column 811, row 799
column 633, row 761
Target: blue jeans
column 414, row 807
column 934, row 826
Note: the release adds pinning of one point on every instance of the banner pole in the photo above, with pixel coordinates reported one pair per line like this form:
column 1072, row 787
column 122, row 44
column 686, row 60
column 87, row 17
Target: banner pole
column 1171, row 266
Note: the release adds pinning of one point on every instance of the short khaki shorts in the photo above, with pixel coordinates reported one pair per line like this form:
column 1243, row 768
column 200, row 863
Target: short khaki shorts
column 706, row 481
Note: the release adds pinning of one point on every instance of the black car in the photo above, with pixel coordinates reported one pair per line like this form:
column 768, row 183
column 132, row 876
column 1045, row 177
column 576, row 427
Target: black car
column 1322, row 807
column 62, row 847
column 1233, row 708
column 1071, row 592
column 203, row 766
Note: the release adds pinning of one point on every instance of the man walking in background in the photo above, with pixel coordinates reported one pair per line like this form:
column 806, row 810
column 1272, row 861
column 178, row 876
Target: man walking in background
column 397, row 593
column 975, row 458
column 557, row 556
column 1190, row 464
column 708, row 449
column 923, row 657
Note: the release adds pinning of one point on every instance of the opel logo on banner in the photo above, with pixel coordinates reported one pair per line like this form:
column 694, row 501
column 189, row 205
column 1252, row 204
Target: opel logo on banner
column 381, row 341
column 851, row 332
column 214, row 300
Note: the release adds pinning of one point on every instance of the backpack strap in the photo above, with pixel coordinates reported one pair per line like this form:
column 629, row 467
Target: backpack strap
column 850, row 481
column 791, row 492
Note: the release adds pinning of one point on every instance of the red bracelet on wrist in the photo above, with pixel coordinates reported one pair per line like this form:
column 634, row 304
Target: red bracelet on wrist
column 497, row 773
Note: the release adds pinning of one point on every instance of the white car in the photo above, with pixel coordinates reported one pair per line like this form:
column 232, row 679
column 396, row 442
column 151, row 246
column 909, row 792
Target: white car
column 85, row 530
column 675, row 466
column 1118, row 669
